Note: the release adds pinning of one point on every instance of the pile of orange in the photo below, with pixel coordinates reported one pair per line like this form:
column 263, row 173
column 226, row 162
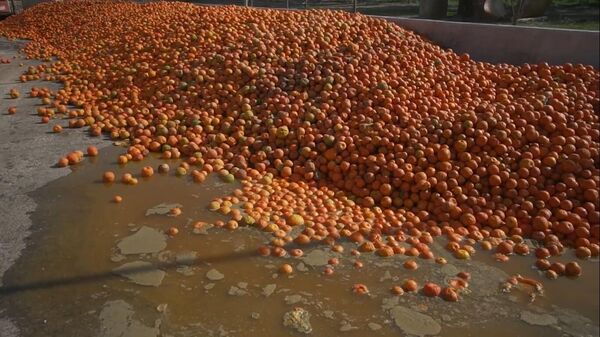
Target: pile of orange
column 360, row 128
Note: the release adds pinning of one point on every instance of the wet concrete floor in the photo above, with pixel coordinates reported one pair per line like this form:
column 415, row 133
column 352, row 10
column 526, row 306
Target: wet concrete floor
column 96, row 268
column 28, row 150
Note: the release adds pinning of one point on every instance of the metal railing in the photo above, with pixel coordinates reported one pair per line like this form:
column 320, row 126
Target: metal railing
column 410, row 6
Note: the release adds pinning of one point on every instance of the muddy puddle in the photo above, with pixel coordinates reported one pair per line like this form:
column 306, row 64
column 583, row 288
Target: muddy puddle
column 97, row 268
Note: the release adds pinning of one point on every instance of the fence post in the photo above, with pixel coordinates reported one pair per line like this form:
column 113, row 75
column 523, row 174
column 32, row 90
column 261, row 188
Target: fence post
column 354, row 5
column 287, row 4
column 305, row 4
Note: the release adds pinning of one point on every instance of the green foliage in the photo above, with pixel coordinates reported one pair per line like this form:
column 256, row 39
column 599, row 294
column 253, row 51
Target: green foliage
column 576, row 2
column 565, row 2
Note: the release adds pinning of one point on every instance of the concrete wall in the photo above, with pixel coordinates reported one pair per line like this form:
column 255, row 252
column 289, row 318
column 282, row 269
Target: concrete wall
column 29, row 3
column 509, row 44
column 18, row 6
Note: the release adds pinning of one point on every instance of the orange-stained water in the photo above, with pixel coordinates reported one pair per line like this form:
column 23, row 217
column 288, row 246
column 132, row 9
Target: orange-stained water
column 64, row 284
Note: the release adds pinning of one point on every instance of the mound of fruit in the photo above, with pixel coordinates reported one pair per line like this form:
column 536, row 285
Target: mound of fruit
column 349, row 125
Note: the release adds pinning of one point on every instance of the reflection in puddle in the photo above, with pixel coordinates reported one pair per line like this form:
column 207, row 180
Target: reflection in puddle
column 97, row 268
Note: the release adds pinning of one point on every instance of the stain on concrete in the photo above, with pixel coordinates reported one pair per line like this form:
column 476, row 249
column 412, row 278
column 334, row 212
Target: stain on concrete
column 116, row 320
column 145, row 240
column 141, row 272
column 414, row 323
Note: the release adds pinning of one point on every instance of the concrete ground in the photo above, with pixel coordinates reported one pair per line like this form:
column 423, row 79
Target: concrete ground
column 28, row 152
